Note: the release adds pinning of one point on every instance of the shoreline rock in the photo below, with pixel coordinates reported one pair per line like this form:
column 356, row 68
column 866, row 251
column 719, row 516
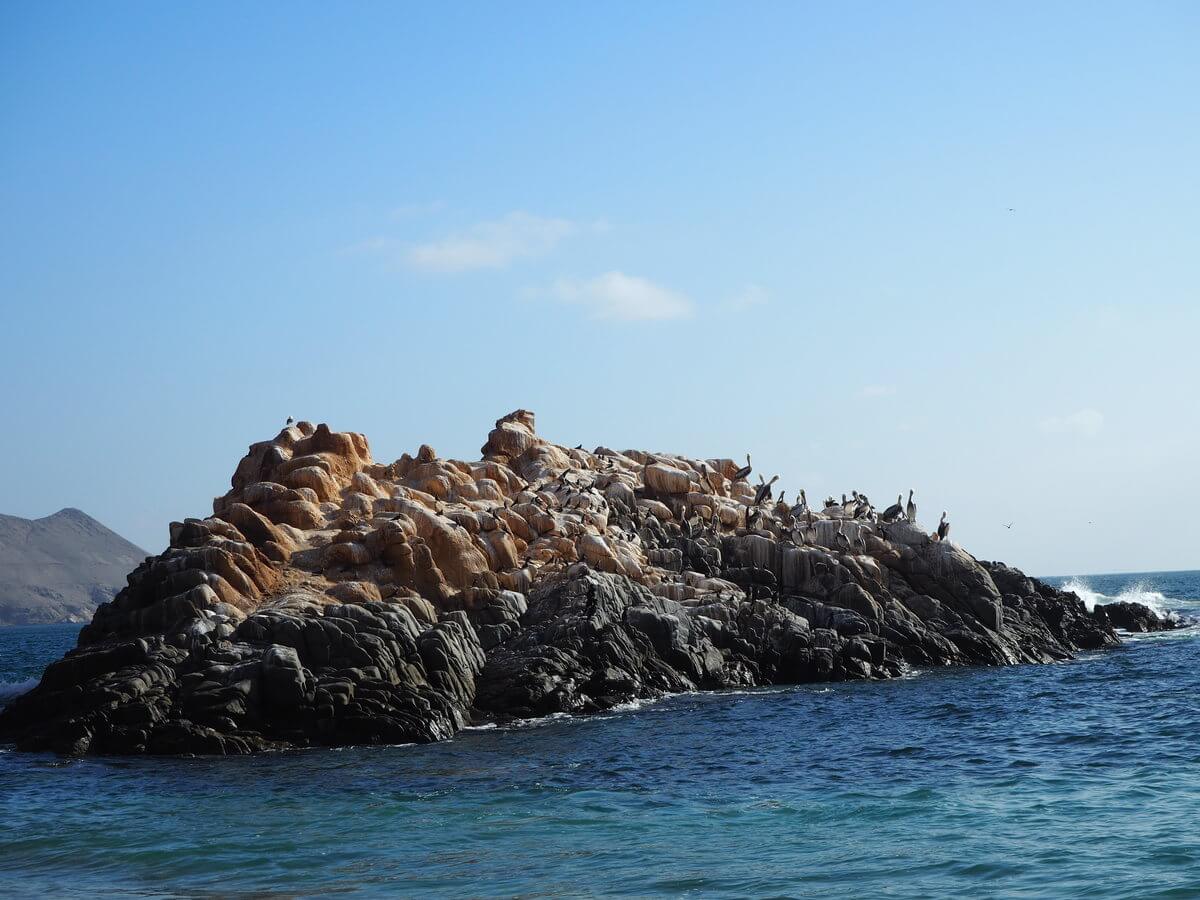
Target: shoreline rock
column 333, row 600
column 1135, row 618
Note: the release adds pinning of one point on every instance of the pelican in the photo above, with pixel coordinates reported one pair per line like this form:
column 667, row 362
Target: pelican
column 744, row 472
column 840, row 538
column 850, row 508
column 783, row 510
column 911, row 511
column 943, row 529
column 803, row 499
column 764, row 490
column 290, row 420
column 894, row 511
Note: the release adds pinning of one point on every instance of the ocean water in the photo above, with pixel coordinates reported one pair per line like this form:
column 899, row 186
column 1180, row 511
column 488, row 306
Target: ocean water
column 1075, row 779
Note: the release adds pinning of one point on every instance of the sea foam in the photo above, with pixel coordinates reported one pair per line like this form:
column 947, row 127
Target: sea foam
column 1139, row 592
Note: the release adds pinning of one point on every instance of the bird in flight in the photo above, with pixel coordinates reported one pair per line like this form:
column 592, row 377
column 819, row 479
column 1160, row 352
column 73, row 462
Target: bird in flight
column 1009, row 525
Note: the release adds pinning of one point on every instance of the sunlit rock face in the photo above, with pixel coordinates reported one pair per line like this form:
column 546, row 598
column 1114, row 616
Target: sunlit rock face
column 330, row 599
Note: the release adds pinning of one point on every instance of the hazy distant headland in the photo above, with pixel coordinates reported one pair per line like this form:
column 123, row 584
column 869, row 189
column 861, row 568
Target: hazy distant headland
column 60, row 568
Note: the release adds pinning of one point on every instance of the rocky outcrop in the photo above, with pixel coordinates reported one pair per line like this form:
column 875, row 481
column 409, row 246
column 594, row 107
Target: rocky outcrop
column 330, row 599
column 1135, row 617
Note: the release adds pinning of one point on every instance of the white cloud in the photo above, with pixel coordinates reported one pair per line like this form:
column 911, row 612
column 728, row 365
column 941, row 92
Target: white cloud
column 1085, row 422
column 491, row 245
column 878, row 390
column 615, row 295
column 750, row 295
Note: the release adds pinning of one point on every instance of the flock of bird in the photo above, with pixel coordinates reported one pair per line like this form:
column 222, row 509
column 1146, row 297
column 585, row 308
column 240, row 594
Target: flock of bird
column 798, row 517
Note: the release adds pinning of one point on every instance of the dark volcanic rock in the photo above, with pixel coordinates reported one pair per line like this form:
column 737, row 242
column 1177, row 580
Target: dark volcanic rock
column 594, row 641
column 332, row 600
column 1134, row 617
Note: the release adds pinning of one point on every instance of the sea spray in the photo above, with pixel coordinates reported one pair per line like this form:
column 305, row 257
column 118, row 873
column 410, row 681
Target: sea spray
column 1138, row 592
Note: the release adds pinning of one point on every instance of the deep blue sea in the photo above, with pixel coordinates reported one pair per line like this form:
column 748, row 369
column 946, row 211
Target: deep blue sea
column 1075, row 779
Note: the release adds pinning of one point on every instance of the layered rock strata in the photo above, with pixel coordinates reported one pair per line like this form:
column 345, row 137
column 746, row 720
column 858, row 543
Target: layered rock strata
column 330, row 599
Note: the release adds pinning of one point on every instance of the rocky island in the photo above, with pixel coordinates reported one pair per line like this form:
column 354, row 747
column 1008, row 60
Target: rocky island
column 330, row 599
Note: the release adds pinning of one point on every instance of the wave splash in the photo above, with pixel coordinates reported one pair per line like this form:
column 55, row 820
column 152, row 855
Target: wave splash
column 1138, row 592
column 11, row 690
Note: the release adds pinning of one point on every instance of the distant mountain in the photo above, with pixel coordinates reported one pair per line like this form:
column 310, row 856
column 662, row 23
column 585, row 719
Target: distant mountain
column 60, row 568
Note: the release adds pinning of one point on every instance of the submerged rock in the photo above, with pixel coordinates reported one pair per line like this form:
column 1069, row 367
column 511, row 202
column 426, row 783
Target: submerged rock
column 332, row 600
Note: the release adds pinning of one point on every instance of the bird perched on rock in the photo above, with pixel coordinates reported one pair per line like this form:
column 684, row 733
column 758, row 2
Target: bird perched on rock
column 864, row 510
column 839, row 538
column 290, row 420
column 893, row 512
column 763, row 492
column 744, row 472
column 943, row 529
column 911, row 511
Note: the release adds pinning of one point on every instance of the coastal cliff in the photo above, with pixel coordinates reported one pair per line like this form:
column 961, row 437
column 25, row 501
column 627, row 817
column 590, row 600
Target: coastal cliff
column 330, row 599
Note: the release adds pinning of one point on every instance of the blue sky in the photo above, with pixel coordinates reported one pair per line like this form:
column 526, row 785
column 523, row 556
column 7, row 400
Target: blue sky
column 941, row 246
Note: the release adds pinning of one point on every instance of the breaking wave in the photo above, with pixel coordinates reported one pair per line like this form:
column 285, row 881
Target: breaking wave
column 1139, row 592
column 11, row 690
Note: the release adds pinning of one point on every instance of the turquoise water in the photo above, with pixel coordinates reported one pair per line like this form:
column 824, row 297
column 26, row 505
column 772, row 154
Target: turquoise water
column 1032, row 781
